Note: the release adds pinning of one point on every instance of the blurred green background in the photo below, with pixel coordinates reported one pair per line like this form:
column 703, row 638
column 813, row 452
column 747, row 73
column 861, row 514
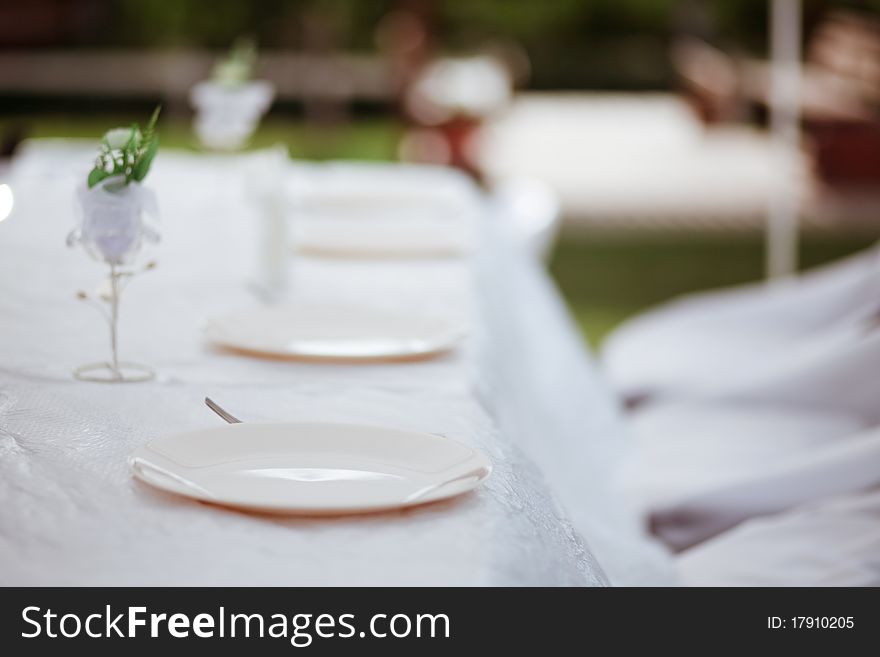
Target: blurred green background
column 569, row 44
column 572, row 44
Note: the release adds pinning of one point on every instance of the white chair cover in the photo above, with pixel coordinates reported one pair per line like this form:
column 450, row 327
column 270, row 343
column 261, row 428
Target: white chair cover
column 807, row 474
column 682, row 451
column 833, row 543
column 678, row 350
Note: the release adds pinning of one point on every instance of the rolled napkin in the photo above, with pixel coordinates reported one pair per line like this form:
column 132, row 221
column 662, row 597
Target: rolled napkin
column 836, row 468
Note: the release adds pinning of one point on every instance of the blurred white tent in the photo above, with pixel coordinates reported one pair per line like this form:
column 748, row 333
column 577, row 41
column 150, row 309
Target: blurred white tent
column 624, row 161
column 631, row 160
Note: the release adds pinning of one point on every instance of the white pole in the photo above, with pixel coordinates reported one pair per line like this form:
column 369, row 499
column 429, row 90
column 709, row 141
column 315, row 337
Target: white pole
column 783, row 208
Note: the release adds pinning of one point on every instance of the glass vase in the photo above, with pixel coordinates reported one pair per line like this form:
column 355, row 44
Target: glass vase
column 113, row 230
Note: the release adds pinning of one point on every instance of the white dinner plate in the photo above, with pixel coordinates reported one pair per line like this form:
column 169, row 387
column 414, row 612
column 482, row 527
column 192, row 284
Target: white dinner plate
column 310, row 468
column 341, row 331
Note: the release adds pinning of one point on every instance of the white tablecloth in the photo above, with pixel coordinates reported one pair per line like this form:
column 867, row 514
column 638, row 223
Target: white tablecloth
column 520, row 388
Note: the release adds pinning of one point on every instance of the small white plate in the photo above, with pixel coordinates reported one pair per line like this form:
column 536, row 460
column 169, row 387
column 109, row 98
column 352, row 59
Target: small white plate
column 347, row 188
column 310, row 468
column 333, row 332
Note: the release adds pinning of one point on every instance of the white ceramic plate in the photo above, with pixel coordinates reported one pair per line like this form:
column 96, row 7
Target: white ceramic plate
column 333, row 332
column 310, row 468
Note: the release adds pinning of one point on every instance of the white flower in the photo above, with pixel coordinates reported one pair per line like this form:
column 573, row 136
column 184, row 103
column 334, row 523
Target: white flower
column 119, row 137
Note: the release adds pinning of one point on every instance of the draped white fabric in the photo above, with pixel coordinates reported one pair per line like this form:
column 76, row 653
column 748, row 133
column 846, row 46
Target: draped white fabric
column 520, row 388
column 835, row 542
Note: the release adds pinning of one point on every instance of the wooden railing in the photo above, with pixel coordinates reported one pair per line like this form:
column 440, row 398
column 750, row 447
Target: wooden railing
column 170, row 74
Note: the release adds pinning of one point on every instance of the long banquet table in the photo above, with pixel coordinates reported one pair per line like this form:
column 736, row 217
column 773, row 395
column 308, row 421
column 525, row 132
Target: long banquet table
column 521, row 388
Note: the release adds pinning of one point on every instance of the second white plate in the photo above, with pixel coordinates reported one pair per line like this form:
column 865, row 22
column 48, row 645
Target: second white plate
column 333, row 332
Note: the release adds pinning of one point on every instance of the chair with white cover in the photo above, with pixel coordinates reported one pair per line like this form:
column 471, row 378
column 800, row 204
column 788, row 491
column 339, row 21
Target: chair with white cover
column 681, row 450
column 834, row 542
column 714, row 475
column 835, row 371
column 698, row 342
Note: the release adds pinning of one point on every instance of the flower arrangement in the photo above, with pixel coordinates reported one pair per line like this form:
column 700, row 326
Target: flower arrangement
column 231, row 103
column 126, row 152
column 238, row 66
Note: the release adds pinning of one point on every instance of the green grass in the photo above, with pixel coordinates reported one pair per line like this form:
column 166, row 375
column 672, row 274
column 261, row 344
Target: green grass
column 606, row 279
column 364, row 139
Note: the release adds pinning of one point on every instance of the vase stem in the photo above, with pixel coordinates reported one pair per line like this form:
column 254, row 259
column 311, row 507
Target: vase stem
column 114, row 321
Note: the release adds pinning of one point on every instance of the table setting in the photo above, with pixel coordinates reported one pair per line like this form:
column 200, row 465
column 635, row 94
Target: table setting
column 378, row 412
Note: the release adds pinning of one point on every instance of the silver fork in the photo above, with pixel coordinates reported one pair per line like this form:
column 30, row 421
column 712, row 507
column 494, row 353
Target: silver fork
column 222, row 412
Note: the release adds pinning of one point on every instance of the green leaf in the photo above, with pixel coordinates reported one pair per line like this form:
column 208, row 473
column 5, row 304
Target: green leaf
column 134, row 139
column 96, row 175
column 142, row 165
column 130, row 158
column 150, row 132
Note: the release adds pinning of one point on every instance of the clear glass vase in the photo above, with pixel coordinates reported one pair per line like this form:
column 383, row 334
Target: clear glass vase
column 113, row 230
